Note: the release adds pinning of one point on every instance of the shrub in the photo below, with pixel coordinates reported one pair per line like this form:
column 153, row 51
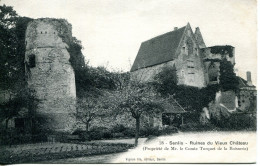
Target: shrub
column 169, row 130
column 118, row 135
column 96, row 135
column 78, row 132
column 129, row 132
column 118, row 128
column 241, row 121
column 107, row 134
column 198, row 127
column 150, row 131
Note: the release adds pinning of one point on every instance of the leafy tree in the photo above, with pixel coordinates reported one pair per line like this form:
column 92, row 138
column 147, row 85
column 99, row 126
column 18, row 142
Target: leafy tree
column 12, row 49
column 166, row 84
column 77, row 59
column 192, row 99
column 95, row 80
column 24, row 99
column 7, row 17
column 8, row 45
column 227, row 78
column 165, row 81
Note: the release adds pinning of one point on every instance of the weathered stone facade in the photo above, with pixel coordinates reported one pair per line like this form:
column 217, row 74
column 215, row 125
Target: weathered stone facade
column 212, row 56
column 247, row 94
column 49, row 71
column 189, row 65
column 183, row 52
column 196, row 65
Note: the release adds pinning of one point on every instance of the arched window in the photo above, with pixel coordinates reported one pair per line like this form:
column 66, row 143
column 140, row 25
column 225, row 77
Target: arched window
column 32, row 61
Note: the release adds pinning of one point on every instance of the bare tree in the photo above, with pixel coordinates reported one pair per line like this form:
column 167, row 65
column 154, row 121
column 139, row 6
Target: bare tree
column 90, row 108
column 136, row 99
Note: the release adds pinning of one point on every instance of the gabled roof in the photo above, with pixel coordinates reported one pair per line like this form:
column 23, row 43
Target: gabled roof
column 158, row 50
column 243, row 83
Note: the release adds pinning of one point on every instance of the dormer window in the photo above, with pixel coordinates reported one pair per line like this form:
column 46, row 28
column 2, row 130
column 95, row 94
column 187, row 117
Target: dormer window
column 32, row 61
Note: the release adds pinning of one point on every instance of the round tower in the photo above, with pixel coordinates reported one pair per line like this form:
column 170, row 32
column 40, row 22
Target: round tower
column 50, row 73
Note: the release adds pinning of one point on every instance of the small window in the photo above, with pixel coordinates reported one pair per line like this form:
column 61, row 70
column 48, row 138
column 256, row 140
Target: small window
column 190, row 66
column 182, row 73
column 183, row 49
column 41, row 32
column 191, row 73
column 53, row 32
column 31, row 60
column 196, row 51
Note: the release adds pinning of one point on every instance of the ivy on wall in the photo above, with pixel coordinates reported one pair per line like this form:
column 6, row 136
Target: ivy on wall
column 223, row 50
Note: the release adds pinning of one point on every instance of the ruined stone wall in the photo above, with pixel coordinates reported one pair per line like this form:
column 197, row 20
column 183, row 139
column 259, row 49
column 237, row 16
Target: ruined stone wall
column 212, row 60
column 207, row 54
column 49, row 71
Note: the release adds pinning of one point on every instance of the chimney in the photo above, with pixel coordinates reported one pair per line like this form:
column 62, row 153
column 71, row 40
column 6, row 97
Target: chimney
column 249, row 81
column 175, row 28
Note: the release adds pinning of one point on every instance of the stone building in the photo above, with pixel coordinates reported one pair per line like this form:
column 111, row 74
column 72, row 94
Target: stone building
column 179, row 48
column 196, row 65
column 49, row 71
column 247, row 94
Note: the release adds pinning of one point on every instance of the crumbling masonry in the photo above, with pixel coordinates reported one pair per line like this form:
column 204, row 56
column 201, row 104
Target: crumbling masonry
column 49, row 71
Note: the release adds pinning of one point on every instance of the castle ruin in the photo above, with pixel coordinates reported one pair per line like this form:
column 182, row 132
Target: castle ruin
column 49, row 71
column 196, row 65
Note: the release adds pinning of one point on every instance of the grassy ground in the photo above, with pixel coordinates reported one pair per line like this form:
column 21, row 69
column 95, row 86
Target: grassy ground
column 49, row 151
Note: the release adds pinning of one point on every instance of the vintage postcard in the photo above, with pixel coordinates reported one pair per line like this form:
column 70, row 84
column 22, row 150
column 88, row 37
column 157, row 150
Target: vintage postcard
column 135, row 81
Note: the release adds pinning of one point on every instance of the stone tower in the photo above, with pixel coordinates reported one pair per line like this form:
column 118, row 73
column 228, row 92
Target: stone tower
column 49, row 71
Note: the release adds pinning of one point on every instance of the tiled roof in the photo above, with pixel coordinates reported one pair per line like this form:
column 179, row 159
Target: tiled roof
column 158, row 50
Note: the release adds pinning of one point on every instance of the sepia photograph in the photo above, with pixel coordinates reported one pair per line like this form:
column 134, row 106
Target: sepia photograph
column 134, row 81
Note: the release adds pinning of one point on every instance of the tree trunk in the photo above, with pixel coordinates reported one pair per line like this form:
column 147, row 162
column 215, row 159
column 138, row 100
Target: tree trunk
column 87, row 126
column 6, row 123
column 137, row 128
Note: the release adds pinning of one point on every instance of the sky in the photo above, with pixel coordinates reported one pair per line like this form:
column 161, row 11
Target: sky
column 112, row 31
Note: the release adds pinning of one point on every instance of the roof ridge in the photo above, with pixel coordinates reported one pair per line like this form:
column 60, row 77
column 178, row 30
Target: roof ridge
column 164, row 34
column 158, row 49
